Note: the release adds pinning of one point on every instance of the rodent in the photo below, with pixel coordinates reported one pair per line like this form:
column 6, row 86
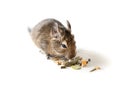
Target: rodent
column 54, row 39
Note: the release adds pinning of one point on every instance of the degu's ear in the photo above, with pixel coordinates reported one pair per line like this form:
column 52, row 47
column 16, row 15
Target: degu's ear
column 68, row 26
column 55, row 33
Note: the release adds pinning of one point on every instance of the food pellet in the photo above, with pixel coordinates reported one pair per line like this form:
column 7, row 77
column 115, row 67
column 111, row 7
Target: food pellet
column 84, row 63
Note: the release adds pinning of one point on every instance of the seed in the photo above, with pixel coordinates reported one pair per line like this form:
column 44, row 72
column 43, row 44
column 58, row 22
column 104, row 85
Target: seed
column 89, row 60
column 96, row 68
column 76, row 67
column 63, row 67
column 59, row 63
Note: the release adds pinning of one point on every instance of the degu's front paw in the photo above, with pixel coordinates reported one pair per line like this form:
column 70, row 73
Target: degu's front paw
column 49, row 56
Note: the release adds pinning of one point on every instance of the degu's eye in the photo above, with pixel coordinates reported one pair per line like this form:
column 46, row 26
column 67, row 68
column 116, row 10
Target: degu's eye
column 63, row 45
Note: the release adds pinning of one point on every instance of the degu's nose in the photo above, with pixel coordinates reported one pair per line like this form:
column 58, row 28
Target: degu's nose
column 71, row 55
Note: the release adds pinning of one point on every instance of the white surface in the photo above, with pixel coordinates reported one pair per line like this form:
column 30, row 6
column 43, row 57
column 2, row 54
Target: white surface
column 96, row 26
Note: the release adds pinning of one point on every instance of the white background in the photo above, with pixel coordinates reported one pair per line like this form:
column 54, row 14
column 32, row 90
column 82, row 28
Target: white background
column 96, row 26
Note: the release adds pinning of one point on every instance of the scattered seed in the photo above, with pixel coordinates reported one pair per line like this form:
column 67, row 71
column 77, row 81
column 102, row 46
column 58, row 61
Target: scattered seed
column 89, row 60
column 76, row 67
column 59, row 63
column 96, row 68
column 63, row 67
